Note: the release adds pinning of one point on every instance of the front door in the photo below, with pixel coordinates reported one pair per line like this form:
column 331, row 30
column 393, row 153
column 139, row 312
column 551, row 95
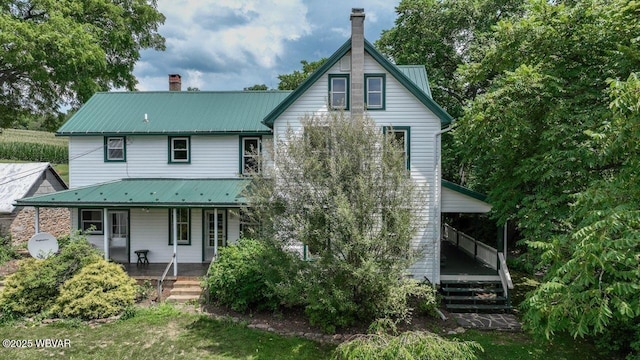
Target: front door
column 210, row 247
column 119, row 236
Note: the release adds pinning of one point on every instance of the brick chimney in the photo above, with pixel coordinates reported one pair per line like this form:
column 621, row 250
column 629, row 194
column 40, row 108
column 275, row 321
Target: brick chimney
column 175, row 82
column 357, row 61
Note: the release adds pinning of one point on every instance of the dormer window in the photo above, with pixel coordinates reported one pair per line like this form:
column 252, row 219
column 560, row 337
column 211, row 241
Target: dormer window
column 339, row 91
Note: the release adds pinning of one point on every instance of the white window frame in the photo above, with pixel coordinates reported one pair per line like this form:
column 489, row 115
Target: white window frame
column 172, row 149
column 85, row 225
column 109, row 148
column 179, row 224
column 247, row 155
column 381, row 105
column 333, row 92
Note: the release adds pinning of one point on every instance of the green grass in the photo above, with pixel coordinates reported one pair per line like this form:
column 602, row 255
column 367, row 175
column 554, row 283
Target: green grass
column 161, row 333
column 505, row 345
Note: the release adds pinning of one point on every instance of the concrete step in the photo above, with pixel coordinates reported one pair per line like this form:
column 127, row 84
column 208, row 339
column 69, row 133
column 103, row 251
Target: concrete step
column 186, row 291
column 186, row 284
column 182, row 298
column 477, row 307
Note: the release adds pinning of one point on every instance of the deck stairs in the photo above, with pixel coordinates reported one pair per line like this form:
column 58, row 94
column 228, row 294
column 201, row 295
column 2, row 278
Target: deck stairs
column 486, row 296
column 185, row 289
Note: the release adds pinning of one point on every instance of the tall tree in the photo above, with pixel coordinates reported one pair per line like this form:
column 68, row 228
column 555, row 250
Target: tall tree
column 442, row 35
column 293, row 80
column 256, row 87
column 57, row 53
column 354, row 207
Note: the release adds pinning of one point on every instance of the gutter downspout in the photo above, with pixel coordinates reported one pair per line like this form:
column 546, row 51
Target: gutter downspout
column 437, row 199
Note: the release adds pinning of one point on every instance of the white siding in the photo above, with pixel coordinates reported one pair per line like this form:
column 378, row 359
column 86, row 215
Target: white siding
column 150, row 230
column 455, row 202
column 147, row 157
column 402, row 109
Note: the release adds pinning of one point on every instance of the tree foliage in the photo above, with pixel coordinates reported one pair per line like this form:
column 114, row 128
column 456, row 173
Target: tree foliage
column 354, row 207
column 61, row 52
column 259, row 87
column 293, row 80
column 593, row 282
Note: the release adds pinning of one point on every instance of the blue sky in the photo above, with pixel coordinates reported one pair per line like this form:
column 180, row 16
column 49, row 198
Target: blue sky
column 232, row 44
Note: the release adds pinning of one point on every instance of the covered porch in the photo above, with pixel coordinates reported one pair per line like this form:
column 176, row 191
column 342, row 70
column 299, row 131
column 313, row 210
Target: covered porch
column 179, row 224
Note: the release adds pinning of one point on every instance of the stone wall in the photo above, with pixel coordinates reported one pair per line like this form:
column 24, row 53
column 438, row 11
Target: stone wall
column 55, row 221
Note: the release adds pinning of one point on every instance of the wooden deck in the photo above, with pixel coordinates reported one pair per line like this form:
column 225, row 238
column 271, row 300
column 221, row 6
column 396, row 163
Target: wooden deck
column 458, row 265
column 153, row 271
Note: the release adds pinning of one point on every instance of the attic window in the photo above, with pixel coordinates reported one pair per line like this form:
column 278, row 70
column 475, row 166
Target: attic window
column 179, row 150
column 339, row 91
column 374, row 90
column 115, row 149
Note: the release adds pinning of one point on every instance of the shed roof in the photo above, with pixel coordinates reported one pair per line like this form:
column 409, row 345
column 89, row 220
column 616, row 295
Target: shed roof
column 173, row 112
column 148, row 193
column 17, row 179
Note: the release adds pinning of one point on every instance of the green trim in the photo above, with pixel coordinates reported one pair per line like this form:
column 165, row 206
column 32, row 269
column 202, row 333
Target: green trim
column 445, row 119
column 241, row 151
column 384, row 91
column 101, row 219
column 106, row 149
column 407, row 130
column 463, row 190
column 347, row 89
column 171, row 159
column 171, row 226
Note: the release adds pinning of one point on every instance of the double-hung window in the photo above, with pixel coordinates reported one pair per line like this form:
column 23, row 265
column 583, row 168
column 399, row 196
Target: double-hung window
column 180, row 149
column 374, row 91
column 339, row 91
column 115, row 148
column 401, row 135
column 250, row 157
column 91, row 221
column 183, row 224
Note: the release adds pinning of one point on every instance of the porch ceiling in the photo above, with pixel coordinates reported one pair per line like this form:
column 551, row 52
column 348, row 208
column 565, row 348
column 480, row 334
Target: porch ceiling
column 147, row 193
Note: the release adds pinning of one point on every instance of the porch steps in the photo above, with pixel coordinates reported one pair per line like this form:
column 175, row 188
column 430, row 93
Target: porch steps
column 185, row 290
column 474, row 296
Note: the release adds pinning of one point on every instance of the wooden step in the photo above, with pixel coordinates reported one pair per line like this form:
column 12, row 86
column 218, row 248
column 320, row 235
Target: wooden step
column 186, row 284
column 182, row 298
column 186, row 291
column 476, row 290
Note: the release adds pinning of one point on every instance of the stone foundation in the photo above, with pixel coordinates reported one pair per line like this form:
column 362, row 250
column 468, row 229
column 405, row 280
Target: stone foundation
column 55, row 221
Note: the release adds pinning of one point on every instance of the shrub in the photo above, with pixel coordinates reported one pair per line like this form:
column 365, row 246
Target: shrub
column 100, row 290
column 34, row 287
column 408, row 345
column 7, row 251
column 252, row 275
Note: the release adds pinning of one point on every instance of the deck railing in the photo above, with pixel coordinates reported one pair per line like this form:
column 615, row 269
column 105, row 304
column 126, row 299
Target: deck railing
column 505, row 275
column 471, row 246
column 164, row 275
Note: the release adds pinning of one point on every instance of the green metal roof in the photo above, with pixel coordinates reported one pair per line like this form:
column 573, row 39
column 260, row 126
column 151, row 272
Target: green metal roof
column 463, row 190
column 417, row 74
column 415, row 86
column 173, row 112
column 147, row 193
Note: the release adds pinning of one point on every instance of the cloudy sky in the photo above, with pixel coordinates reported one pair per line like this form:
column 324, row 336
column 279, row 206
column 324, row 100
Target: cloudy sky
column 232, row 44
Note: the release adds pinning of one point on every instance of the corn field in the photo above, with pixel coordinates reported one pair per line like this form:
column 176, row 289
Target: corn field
column 28, row 145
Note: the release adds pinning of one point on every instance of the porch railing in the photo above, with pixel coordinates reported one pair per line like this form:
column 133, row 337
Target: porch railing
column 164, row 275
column 505, row 275
column 471, row 246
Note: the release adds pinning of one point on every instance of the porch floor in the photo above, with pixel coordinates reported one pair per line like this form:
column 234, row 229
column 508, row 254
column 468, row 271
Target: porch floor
column 153, row 271
column 459, row 263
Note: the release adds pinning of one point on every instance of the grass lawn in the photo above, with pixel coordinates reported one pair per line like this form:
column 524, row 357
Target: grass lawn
column 160, row 333
column 505, row 345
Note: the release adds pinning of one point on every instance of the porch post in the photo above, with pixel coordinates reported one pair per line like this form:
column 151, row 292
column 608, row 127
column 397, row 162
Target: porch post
column 504, row 239
column 37, row 221
column 105, row 231
column 215, row 233
column 175, row 241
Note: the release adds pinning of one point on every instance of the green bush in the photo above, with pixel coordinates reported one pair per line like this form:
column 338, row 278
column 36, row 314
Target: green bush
column 253, row 275
column 7, row 251
column 408, row 345
column 33, row 288
column 100, row 290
